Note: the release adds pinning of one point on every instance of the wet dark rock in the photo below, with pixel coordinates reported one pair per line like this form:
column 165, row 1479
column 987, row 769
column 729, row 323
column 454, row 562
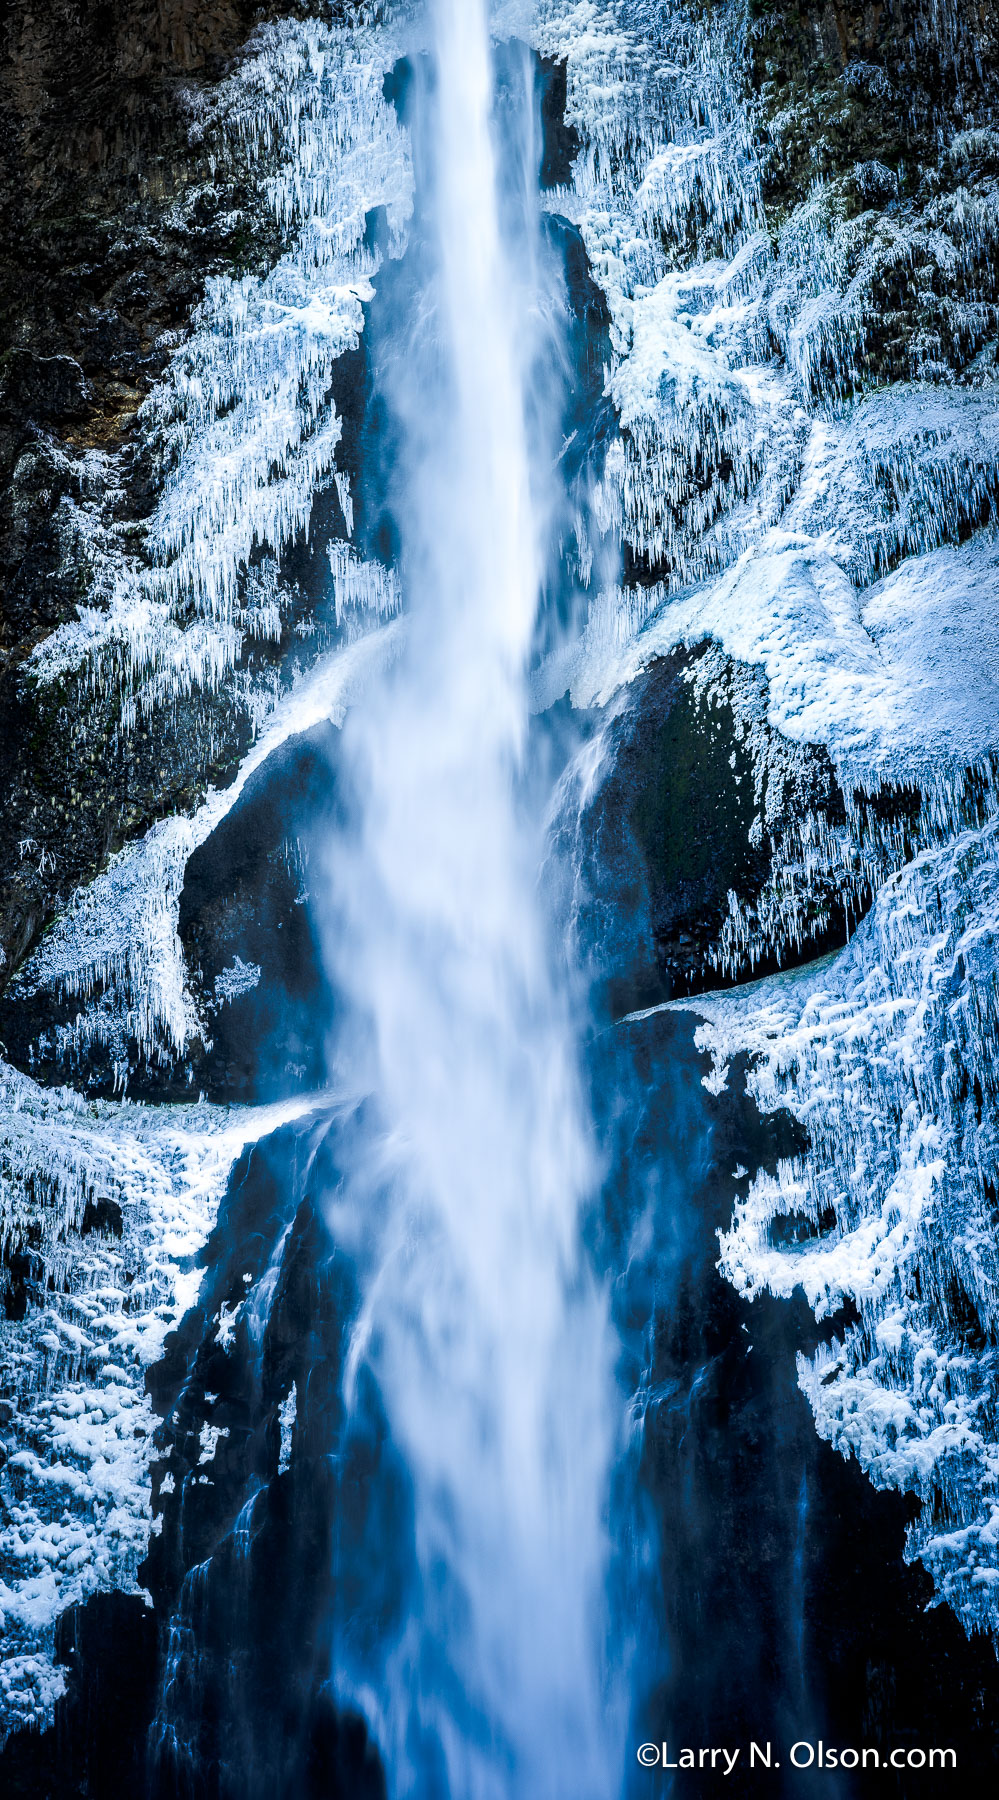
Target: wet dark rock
column 589, row 416
column 43, row 387
column 96, row 1748
column 103, row 1216
column 221, row 1689
column 19, row 1282
column 246, row 1550
column 695, row 805
column 560, row 141
column 249, row 933
column 785, row 1607
column 715, row 850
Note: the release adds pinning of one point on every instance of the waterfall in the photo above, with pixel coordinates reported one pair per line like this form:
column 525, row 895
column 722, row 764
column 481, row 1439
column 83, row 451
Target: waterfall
column 480, row 1325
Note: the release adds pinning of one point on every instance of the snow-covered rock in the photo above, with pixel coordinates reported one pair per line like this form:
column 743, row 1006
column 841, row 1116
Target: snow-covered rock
column 805, row 477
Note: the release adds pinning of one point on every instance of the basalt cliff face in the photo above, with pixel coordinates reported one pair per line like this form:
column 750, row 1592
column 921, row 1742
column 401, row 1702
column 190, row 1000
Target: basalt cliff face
column 781, row 238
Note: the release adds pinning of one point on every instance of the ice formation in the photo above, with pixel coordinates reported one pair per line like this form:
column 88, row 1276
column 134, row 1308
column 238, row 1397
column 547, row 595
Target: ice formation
column 116, row 948
column 828, row 536
column 886, row 1053
column 287, row 1415
column 110, row 1204
column 241, row 978
column 243, row 429
column 104, row 1205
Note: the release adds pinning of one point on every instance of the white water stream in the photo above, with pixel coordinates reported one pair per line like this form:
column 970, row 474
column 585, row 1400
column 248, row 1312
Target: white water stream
column 480, row 1323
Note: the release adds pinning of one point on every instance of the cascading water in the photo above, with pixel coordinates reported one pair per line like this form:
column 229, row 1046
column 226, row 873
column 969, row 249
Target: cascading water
column 480, row 1324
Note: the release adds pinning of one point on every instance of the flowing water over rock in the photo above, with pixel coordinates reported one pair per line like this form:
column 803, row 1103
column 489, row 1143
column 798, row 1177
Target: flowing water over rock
column 480, row 1324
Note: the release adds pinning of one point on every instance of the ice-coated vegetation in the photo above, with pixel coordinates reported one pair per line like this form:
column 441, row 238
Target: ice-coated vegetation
column 243, row 430
column 806, row 478
column 741, row 360
column 241, row 433
column 108, row 1205
column 887, row 1054
column 667, row 197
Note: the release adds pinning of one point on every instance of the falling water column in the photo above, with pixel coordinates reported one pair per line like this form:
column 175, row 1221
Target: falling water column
column 480, row 1325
